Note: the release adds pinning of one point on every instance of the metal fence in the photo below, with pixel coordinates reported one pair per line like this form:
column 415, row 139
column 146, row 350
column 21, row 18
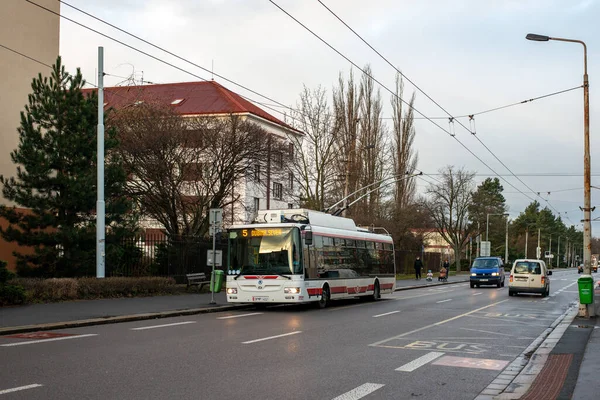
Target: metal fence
column 159, row 255
column 405, row 261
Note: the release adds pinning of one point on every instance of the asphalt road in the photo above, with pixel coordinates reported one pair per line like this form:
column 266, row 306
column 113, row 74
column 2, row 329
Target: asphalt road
column 444, row 342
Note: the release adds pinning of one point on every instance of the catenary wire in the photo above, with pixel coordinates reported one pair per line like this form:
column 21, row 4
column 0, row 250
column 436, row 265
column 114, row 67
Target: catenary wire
column 141, row 51
column 393, row 94
column 452, row 119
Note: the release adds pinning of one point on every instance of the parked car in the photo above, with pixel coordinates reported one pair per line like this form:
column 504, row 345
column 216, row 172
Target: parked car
column 487, row 271
column 529, row 276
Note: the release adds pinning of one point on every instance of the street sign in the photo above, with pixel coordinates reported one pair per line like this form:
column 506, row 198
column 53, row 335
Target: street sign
column 218, row 257
column 549, row 256
column 485, row 248
column 212, row 230
column 215, row 216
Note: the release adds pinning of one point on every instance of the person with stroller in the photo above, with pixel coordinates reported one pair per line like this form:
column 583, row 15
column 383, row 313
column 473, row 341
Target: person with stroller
column 443, row 277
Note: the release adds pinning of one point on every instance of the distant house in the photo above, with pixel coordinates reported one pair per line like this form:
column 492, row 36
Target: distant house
column 433, row 242
column 211, row 100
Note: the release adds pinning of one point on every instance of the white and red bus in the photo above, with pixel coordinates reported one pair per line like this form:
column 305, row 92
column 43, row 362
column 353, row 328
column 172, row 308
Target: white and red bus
column 301, row 256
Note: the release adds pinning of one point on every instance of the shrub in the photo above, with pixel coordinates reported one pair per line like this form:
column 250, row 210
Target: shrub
column 11, row 294
column 5, row 274
column 58, row 289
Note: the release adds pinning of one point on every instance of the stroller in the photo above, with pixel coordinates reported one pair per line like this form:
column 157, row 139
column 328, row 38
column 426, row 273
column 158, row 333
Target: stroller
column 443, row 277
column 429, row 276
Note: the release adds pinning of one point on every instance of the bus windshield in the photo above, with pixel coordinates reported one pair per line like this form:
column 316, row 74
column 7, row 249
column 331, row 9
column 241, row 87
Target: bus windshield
column 264, row 251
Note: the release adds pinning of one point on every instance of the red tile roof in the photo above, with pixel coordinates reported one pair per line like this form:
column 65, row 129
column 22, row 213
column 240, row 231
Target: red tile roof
column 199, row 98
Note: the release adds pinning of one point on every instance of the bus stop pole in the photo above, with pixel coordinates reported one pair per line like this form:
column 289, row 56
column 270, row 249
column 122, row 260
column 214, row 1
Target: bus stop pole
column 212, row 276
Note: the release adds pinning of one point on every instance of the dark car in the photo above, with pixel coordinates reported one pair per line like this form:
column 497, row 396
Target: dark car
column 487, row 271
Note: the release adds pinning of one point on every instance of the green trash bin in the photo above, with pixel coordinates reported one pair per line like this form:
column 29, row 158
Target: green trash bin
column 216, row 281
column 586, row 289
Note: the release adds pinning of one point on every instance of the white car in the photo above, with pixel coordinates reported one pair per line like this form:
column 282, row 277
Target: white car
column 529, row 276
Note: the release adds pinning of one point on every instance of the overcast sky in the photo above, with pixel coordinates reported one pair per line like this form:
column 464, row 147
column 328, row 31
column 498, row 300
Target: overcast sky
column 468, row 55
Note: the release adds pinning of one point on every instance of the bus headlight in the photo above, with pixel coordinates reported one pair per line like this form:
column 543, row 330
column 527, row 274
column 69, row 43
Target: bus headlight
column 291, row 290
column 231, row 290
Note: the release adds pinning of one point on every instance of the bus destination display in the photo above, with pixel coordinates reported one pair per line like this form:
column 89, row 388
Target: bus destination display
column 261, row 232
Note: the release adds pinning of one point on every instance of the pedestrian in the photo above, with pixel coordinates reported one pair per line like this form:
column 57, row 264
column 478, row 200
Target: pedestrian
column 447, row 265
column 418, row 266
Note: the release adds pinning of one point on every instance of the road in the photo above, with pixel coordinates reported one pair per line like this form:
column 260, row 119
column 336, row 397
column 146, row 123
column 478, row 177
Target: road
column 445, row 342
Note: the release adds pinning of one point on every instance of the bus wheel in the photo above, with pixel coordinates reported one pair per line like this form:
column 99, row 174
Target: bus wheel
column 324, row 302
column 376, row 292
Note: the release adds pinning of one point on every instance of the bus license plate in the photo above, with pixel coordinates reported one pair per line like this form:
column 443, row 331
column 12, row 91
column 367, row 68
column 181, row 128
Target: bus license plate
column 260, row 298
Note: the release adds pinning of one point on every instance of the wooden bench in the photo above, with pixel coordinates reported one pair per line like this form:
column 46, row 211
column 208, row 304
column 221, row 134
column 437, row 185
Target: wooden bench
column 197, row 279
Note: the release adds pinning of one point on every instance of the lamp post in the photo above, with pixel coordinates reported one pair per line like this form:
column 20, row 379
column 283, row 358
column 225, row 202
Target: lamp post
column 506, row 244
column 587, row 225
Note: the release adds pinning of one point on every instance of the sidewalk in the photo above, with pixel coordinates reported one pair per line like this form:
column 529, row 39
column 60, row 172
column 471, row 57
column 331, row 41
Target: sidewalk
column 33, row 317
column 565, row 366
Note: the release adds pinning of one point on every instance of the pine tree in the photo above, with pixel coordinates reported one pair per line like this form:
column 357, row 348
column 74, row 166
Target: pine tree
column 56, row 180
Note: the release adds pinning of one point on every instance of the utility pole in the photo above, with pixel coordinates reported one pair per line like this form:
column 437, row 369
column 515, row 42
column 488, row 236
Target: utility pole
column 550, row 250
column 100, row 206
column 506, row 244
column 558, row 253
column 478, row 240
column 526, row 235
column 539, row 249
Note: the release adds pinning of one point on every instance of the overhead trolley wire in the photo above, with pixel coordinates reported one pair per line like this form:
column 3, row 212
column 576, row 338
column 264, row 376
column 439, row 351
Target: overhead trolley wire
column 143, row 52
column 451, row 119
column 393, row 93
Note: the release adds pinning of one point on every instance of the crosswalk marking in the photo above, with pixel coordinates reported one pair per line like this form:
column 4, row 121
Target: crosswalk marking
column 419, row 362
column 360, row 392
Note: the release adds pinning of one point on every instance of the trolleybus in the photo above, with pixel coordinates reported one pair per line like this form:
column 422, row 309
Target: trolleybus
column 301, row 256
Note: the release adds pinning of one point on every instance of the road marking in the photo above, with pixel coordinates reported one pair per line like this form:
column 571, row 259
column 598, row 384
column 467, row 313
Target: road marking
column 5, row 391
column 271, row 337
column 162, row 326
column 437, row 323
column 493, row 333
column 239, row 316
column 48, row 340
column 387, row 313
column 477, row 294
column 419, row 362
column 360, row 391
column 443, row 301
column 466, row 362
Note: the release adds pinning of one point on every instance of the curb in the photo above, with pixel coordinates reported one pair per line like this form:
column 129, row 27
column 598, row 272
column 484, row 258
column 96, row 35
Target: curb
column 146, row 316
column 118, row 319
column 516, row 379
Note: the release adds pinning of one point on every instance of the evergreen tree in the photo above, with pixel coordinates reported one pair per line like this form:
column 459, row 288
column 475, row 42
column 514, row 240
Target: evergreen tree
column 56, row 180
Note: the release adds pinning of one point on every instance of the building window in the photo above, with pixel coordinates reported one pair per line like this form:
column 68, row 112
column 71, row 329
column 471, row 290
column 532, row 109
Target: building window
column 291, row 150
column 256, row 204
column 291, row 181
column 290, row 205
column 256, row 172
column 277, row 191
column 278, row 159
column 191, row 172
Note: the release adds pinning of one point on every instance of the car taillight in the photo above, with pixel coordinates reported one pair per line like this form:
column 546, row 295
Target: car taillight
column 543, row 280
column 510, row 278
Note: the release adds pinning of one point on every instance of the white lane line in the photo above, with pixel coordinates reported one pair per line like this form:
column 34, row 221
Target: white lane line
column 419, row 362
column 5, row 391
column 443, row 301
column 477, row 294
column 240, row 316
column 360, row 391
column 271, row 337
column 47, row 340
column 162, row 326
column 436, row 324
column 387, row 313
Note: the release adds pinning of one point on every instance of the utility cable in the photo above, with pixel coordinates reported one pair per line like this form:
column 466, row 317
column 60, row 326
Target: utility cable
column 393, row 93
column 450, row 117
column 138, row 50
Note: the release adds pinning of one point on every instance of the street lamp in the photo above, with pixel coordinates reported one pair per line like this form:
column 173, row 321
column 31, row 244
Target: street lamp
column 587, row 226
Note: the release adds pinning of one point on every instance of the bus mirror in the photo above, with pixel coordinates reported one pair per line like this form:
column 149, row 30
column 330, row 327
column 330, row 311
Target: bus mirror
column 308, row 238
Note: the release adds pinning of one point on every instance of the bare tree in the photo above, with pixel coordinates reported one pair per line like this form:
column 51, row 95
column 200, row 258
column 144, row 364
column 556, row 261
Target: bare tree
column 180, row 167
column 371, row 144
column 448, row 205
column 346, row 108
column 313, row 163
column 404, row 157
